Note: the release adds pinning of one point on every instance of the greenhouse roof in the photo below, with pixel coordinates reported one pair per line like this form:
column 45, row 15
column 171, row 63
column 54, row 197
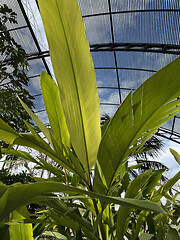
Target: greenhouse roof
column 129, row 41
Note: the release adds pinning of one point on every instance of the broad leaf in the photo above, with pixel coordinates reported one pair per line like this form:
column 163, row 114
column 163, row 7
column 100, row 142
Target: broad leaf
column 172, row 235
column 75, row 75
column 33, row 141
column 3, row 188
column 19, row 195
column 146, row 236
column 73, row 221
column 4, row 231
column 18, row 229
column 29, row 140
column 7, row 133
column 14, row 227
column 138, row 118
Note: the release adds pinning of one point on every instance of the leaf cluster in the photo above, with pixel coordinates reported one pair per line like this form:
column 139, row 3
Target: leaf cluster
column 13, row 74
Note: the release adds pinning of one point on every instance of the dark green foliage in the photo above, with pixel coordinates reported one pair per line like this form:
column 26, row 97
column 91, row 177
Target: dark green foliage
column 8, row 179
column 22, row 177
column 13, row 78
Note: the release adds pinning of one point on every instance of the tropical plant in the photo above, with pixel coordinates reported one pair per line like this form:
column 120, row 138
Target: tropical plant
column 91, row 173
column 13, row 74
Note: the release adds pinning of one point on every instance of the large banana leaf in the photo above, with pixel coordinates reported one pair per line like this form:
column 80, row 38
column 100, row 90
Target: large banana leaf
column 19, row 195
column 138, row 118
column 75, row 75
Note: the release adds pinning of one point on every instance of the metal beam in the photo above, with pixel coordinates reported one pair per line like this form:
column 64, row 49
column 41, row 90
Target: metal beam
column 111, row 47
column 132, row 11
column 32, row 34
column 114, row 52
column 137, row 47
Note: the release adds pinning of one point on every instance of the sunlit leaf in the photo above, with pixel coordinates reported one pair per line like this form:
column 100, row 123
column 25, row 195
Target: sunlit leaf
column 75, row 75
column 52, row 102
column 38, row 122
column 176, row 155
column 16, row 196
column 17, row 228
column 138, row 118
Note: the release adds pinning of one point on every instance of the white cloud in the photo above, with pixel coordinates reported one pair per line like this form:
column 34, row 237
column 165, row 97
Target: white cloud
column 167, row 158
column 108, row 109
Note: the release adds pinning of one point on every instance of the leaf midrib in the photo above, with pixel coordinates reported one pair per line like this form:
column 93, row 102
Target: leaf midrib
column 134, row 138
column 77, row 92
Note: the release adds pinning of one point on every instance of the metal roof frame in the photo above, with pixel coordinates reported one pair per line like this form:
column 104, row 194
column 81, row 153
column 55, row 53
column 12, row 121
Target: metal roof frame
column 171, row 48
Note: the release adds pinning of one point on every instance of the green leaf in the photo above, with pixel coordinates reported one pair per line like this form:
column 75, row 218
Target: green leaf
column 172, row 235
column 138, row 118
column 153, row 181
column 145, row 236
column 38, row 122
column 19, row 195
column 52, row 102
column 75, row 75
column 134, row 188
column 64, row 220
column 176, row 155
column 29, row 140
column 3, row 188
column 96, row 223
column 165, row 188
column 56, row 171
column 73, row 220
column 136, row 166
column 21, row 154
column 54, row 234
column 37, row 137
column 18, row 229
column 138, row 184
column 4, row 232
column 7, row 134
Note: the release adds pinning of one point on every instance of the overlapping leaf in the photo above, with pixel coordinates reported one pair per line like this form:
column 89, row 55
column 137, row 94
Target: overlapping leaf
column 138, row 118
column 32, row 140
column 17, row 196
column 75, row 75
column 52, row 102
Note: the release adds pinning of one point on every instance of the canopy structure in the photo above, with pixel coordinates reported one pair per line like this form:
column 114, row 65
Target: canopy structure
column 129, row 40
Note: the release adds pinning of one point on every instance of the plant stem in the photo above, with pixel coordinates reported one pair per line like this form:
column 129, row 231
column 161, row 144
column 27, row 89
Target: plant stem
column 97, row 212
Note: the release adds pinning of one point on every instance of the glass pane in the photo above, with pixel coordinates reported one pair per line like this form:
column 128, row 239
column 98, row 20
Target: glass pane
column 106, row 78
column 93, row 6
column 98, row 29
